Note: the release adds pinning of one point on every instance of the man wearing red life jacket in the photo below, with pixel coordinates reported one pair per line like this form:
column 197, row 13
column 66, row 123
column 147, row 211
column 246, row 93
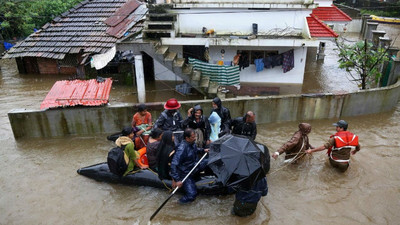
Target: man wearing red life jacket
column 340, row 146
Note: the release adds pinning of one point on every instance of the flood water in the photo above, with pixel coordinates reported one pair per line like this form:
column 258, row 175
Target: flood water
column 39, row 183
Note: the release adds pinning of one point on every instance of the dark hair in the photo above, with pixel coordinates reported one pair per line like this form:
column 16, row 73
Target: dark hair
column 188, row 132
column 141, row 107
column 166, row 140
column 127, row 131
column 155, row 133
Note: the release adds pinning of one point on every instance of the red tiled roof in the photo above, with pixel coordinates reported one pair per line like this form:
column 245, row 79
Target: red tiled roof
column 318, row 28
column 78, row 92
column 330, row 14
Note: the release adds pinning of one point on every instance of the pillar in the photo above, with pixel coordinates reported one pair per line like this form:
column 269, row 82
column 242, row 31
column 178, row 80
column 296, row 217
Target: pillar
column 376, row 34
column 139, row 72
column 384, row 42
column 370, row 27
column 394, row 72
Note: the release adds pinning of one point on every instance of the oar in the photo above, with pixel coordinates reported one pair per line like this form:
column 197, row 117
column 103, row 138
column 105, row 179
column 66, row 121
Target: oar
column 169, row 197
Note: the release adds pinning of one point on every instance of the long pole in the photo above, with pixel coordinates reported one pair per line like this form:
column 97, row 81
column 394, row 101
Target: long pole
column 169, row 197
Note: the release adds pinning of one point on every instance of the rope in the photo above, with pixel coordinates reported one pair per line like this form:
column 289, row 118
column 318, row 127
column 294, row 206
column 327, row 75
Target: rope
column 169, row 189
column 298, row 155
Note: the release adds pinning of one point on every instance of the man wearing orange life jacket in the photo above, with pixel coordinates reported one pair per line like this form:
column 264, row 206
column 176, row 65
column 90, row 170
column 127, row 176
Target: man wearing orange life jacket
column 340, row 146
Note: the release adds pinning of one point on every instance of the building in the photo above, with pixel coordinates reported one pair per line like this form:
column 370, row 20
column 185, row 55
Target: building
column 216, row 32
column 88, row 31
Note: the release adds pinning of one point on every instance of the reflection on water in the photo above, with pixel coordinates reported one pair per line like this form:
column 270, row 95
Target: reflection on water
column 39, row 183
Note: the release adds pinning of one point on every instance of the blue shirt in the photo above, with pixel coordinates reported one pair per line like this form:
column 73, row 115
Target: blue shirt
column 184, row 159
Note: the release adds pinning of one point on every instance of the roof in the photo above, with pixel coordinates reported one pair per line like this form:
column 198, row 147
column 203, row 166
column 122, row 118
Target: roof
column 83, row 29
column 78, row 92
column 330, row 14
column 319, row 29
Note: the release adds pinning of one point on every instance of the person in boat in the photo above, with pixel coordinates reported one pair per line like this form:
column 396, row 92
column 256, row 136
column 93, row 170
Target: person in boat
column 245, row 125
column 295, row 148
column 165, row 151
column 215, row 124
column 224, row 114
column 340, row 146
column 185, row 158
column 131, row 156
column 141, row 120
column 171, row 119
column 246, row 201
column 152, row 146
column 200, row 124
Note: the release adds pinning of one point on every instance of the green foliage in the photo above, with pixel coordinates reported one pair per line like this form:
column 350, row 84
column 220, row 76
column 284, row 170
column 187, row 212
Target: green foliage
column 19, row 17
column 362, row 61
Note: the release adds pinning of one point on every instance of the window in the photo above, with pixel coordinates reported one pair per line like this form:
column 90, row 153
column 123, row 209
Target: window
column 254, row 54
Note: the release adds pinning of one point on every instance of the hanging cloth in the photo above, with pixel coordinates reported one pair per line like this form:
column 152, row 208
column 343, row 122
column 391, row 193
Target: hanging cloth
column 288, row 61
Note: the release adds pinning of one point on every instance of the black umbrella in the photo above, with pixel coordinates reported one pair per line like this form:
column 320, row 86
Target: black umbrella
column 238, row 161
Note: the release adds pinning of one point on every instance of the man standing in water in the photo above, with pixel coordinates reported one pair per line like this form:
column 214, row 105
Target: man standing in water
column 340, row 146
column 245, row 125
column 294, row 149
column 183, row 162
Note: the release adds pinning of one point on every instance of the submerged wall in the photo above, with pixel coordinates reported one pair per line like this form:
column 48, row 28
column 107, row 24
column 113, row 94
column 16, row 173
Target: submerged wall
column 110, row 119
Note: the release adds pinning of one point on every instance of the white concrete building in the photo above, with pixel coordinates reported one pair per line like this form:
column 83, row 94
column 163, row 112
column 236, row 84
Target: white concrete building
column 215, row 31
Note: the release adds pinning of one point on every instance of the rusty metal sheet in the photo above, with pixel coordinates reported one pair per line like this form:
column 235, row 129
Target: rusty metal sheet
column 67, row 93
column 122, row 13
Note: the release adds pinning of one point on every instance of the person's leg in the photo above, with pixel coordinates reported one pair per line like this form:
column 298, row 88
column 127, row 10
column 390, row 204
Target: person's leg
column 342, row 167
column 189, row 186
column 243, row 209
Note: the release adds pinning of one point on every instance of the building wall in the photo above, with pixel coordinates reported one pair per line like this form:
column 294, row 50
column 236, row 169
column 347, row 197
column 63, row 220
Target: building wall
column 110, row 119
column 49, row 66
column 273, row 75
column 239, row 21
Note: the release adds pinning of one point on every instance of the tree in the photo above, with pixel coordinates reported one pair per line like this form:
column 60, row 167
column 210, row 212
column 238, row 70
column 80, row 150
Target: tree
column 18, row 18
column 362, row 61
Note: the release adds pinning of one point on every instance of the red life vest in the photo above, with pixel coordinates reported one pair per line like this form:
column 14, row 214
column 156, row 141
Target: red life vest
column 343, row 139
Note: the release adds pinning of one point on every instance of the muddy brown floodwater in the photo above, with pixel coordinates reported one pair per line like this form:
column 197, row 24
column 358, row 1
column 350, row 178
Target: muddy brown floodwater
column 39, row 183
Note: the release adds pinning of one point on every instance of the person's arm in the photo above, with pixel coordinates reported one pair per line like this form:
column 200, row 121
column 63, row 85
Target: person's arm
column 174, row 164
column 133, row 124
column 309, row 151
column 287, row 146
column 140, row 166
column 358, row 148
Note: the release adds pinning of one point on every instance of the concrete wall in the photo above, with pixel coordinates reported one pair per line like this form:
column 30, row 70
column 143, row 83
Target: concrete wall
column 239, row 21
column 110, row 119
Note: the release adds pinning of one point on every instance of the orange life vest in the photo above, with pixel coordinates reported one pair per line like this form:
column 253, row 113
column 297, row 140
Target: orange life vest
column 343, row 139
column 143, row 157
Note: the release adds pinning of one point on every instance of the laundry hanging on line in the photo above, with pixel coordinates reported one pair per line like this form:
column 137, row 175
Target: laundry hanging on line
column 224, row 75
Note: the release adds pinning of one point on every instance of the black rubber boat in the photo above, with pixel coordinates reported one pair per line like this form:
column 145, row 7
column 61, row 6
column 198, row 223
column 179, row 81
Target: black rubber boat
column 100, row 172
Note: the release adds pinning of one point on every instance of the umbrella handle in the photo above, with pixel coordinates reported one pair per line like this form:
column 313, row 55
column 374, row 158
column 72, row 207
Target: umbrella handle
column 169, row 197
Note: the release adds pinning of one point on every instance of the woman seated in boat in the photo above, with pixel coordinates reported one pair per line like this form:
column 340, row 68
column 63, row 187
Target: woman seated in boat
column 131, row 156
column 142, row 121
column 152, row 146
column 165, row 151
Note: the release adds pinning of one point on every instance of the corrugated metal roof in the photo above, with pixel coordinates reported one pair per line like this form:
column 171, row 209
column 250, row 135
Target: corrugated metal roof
column 85, row 21
column 78, row 92
column 330, row 14
column 319, row 29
